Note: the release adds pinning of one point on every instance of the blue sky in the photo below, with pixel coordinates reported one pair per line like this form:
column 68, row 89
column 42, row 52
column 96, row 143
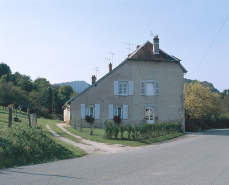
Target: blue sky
column 65, row 40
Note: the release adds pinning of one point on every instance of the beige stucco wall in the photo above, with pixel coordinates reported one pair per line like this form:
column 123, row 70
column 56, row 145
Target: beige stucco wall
column 168, row 105
column 67, row 114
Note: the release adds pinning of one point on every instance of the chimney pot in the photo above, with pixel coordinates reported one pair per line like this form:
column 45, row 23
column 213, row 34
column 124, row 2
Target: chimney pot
column 110, row 67
column 93, row 79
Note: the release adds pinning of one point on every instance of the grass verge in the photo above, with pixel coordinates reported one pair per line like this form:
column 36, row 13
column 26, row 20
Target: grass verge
column 23, row 145
column 99, row 133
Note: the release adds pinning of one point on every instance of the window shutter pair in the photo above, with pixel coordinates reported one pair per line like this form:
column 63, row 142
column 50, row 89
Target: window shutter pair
column 130, row 88
column 143, row 88
column 125, row 111
column 97, row 111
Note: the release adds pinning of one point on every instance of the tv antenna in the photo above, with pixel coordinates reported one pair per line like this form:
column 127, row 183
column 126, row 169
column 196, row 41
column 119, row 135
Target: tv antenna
column 96, row 69
column 151, row 33
column 112, row 56
column 129, row 47
column 108, row 60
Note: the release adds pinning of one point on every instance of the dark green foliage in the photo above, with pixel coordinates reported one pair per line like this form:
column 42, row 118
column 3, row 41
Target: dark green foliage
column 116, row 130
column 24, row 145
column 139, row 132
column 109, row 130
column 122, row 130
column 129, row 129
column 4, row 69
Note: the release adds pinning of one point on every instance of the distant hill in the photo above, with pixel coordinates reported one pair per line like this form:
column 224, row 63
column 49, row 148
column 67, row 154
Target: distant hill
column 78, row 86
column 205, row 83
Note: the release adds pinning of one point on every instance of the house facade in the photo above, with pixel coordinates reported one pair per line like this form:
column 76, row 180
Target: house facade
column 147, row 87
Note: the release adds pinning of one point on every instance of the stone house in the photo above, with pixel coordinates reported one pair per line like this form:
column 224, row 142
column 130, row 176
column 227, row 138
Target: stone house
column 147, row 87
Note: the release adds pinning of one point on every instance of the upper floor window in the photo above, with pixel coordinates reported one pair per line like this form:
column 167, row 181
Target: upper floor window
column 149, row 88
column 123, row 87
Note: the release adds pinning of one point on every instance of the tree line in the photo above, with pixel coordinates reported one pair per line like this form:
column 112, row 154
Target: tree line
column 201, row 102
column 39, row 95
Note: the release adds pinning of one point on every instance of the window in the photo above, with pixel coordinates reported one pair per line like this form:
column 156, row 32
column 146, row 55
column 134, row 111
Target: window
column 118, row 111
column 149, row 88
column 123, row 87
column 90, row 111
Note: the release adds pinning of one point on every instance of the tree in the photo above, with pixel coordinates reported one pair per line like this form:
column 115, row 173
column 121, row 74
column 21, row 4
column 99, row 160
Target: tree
column 201, row 102
column 4, row 69
column 10, row 94
column 65, row 92
column 22, row 81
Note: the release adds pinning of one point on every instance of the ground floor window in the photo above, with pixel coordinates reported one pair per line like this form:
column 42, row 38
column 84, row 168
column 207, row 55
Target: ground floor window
column 90, row 111
column 118, row 111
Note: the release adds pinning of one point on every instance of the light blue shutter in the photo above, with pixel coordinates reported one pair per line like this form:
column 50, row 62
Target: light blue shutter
column 125, row 111
column 157, row 91
column 82, row 111
column 110, row 111
column 97, row 111
column 115, row 87
column 131, row 87
column 142, row 87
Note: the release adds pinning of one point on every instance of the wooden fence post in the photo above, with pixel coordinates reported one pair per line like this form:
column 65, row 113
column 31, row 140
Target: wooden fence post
column 10, row 117
column 28, row 117
column 35, row 118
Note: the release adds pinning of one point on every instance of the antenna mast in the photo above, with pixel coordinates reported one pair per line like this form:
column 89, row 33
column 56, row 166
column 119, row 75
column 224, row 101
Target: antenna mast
column 96, row 69
column 112, row 56
column 129, row 47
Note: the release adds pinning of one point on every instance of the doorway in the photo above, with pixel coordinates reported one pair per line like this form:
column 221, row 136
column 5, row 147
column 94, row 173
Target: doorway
column 149, row 115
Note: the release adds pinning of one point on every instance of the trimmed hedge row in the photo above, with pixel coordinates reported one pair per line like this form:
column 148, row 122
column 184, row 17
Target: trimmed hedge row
column 138, row 132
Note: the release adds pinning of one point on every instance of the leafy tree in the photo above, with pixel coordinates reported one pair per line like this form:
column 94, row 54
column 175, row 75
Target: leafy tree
column 10, row 94
column 65, row 92
column 201, row 102
column 4, row 69
column 22, row 81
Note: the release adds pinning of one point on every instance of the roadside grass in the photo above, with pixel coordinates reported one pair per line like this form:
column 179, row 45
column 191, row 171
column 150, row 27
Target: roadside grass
column 98, row 135
column 23, row 145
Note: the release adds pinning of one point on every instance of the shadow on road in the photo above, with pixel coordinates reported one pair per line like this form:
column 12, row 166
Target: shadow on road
column 40, row 174
column 221, row 132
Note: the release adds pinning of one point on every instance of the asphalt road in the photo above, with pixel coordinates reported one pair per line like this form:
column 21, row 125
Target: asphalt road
column 193, row 159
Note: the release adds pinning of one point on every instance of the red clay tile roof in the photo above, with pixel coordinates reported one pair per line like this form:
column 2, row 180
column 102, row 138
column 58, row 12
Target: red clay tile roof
column 145, row 52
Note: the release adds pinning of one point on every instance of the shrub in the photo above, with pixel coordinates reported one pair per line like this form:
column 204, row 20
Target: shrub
column 116, row 131
column 89, row 119
column 109, row 130
column 122, row 130
column 117, row 119
column 129, row 129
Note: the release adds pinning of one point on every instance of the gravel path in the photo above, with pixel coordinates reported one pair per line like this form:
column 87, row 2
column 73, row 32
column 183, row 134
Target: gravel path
column 91, row 147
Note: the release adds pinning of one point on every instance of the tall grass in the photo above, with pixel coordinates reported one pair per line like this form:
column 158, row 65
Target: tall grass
column 24, row 145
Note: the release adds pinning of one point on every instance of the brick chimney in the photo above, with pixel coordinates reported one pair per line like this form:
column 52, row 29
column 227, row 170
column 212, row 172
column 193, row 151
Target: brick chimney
column 156, row 45
column 110, row 67
column 93, row 79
